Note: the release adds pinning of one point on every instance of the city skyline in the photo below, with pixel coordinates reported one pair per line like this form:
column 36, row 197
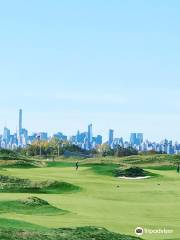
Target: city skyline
column 105, row 134
column 89, row 129
column 85, row 140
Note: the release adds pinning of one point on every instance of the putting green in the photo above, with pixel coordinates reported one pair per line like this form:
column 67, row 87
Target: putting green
column 105, row 201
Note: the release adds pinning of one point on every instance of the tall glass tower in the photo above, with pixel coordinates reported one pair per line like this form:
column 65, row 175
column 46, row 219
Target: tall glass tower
column 111, row 137
column 139, row 138
column 20, row 122
column 90, row 135
column 133, row 139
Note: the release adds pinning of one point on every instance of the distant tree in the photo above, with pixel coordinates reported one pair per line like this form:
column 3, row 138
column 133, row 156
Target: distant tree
column 118, row 151
column 52, row 148
column 153, row 152
column 121, row 152
column 105, row 150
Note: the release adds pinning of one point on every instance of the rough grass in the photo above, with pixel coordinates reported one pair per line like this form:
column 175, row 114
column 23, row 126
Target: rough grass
column 81, row 233
column 31, row 205
column 18, row 185
column 151, row 160
column 6, row 154
column 22, row 164
column 162, row 168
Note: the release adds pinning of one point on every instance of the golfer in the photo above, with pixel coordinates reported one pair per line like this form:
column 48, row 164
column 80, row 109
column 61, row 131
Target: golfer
column 77, row 166
column 178, row 168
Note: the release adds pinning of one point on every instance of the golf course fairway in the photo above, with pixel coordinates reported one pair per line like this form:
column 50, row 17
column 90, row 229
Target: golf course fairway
column 102, row 200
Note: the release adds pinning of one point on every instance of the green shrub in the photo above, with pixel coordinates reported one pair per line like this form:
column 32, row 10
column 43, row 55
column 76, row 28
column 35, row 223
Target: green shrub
column 131, row 172
column 82, row 233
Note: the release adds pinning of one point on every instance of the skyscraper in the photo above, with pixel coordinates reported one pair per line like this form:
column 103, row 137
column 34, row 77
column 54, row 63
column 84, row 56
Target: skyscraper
column 136, row 138
column 139, row 138
column 90, row 135
column 98, row 139
column 20, row 122
column 111, row 137
column 6, row 135
column 133, row 139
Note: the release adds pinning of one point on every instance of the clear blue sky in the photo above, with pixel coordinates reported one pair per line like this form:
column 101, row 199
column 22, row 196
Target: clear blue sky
column 113, row 63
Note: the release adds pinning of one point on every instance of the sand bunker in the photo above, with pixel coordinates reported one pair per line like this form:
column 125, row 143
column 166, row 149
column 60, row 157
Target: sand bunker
column 134, row 178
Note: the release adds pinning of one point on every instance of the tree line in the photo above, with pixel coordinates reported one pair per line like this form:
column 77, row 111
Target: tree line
column 55, row 147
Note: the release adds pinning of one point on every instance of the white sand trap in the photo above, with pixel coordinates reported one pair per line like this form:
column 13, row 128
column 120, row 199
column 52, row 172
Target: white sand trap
column 134, row 178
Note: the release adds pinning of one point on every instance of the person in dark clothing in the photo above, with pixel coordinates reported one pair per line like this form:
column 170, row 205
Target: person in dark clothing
column 178, row 168
column 77, row 166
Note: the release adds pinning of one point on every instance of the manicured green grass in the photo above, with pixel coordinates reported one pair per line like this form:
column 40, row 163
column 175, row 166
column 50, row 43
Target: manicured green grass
column 102, row 169
column 105, row 201
column 60, row 164
column 12, row 225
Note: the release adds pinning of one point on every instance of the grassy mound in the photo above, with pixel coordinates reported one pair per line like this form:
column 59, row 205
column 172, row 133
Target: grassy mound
column 162, row 168
column 101, row 168
column 31, row 205
column 20, row 230
column 151, row 160
column 6, row 154
column 35, row 201
column 83, row 233
column 131, row 172
column 21, row 164
column 18, row 185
